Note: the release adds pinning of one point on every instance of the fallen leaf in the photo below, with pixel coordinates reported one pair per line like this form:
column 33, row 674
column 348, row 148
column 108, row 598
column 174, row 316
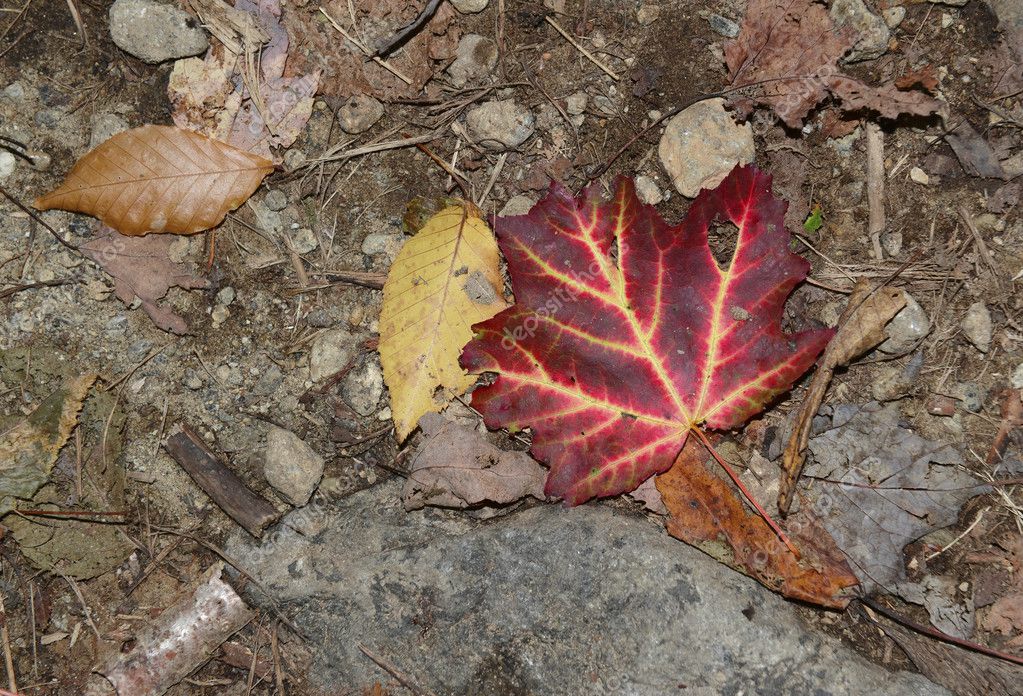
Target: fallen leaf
column 791, row 49
column 289, row 104
column 142, row 268
column 29, row 444
column 974, row 153
column 937, row 594
column 159, row 179
column 651, row 498
column 861, row 327
column 455, row 467
column 879, row 486
column 80, row 547
column 284, row 104
column 925, row 77
column 204, row 97
column 1005, row 616
column 887, row 101
column 214, row 96
column 705, row 513
column 444, row 280
column 626, row 334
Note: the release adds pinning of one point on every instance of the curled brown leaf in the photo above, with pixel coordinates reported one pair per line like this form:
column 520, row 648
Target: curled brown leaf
column 159, row 179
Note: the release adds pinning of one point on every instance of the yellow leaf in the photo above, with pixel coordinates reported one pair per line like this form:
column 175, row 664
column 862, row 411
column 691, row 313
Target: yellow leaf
column 444, row 280
column 159, row 179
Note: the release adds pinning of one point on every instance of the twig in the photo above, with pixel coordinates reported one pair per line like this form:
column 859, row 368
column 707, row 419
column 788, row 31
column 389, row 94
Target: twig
column 275, row 651
column 17, row 18
column 31, row 213
column 409, row 30
column 459, row 179
column 228, row 491
column 493, row 179
column 129, row 373
column 592, row 58
column 943, row 637
column 378, row 147
column 393, row 671
column 955, row 541
column 374, row 281
column 72, row 6
column 369, row 54
column 985, row 253
column 5, row 635
column 875, row 187
column 81, row 598
column 7, row 292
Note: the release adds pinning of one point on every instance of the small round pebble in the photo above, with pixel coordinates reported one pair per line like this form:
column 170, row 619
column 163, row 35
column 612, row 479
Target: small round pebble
column 470, row 6
column 275, row 200
column 359, row 113
column 303, row 240
column 226, row 295
column 971, row 396
column 7, row 164
column 219, row 315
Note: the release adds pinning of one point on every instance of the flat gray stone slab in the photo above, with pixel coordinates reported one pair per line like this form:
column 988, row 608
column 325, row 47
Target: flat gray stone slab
column 547, row 601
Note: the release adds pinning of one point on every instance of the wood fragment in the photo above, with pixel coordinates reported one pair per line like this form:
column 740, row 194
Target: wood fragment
column 181, row 639
column 875, row 187
column 228, row 491
column 861, row 327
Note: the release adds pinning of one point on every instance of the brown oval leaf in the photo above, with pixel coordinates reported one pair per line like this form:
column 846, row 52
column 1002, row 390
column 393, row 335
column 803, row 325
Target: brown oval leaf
column 159, row 179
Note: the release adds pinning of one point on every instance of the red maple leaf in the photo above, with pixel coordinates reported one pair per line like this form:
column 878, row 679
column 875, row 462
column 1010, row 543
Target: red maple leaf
column 626, row 334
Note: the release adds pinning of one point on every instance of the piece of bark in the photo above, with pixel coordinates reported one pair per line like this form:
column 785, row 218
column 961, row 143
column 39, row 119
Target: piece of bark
column 180, row 640
column 221, row 484
column 861, row 327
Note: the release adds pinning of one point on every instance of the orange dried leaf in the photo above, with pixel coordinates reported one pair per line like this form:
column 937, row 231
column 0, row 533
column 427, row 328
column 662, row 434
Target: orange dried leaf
column 159, row 179
column 705, row 512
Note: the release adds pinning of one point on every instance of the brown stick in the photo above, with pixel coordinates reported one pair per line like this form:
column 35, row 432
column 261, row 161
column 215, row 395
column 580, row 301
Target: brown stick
column 221, row 484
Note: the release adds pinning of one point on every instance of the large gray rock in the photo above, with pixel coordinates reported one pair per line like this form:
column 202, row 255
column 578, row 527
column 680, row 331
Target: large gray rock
column 545, row 601
column 155, row 31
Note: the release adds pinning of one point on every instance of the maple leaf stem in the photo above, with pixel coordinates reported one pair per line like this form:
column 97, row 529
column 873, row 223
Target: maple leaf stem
column 735, row 479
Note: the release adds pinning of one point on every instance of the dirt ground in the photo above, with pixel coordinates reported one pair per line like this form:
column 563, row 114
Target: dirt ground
column 234, row 372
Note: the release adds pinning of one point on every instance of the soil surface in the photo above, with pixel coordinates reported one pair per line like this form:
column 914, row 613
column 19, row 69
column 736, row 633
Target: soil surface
column 277, row 280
